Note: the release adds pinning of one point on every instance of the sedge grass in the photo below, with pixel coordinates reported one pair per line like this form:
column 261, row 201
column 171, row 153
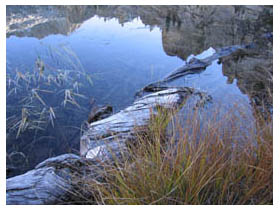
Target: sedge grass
column 211, row 160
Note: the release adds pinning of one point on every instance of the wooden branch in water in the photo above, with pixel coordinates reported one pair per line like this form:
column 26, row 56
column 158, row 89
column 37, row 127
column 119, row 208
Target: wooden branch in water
column 194, row 66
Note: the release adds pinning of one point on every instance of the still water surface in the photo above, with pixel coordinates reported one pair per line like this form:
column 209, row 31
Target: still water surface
column 103, row 61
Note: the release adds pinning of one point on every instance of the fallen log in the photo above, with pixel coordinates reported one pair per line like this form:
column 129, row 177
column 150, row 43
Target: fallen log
column 113, row 132
column 194, row 66
column 53, row 180
column 48, row 183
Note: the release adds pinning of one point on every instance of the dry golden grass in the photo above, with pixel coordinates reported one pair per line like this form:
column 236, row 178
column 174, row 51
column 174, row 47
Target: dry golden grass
column 227, row 159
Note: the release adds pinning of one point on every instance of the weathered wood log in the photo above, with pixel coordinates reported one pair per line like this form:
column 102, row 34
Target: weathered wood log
column 51, row 182
column 56, row 180
column 194, row 66
column 111, row 134
column 48, row 183
column 99, row 113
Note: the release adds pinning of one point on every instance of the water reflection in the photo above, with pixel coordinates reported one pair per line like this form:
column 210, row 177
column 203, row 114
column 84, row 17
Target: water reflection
column 123, row 48
column 185, row 29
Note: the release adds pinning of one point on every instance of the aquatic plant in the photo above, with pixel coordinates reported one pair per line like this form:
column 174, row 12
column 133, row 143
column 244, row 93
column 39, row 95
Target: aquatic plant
column 39, row 98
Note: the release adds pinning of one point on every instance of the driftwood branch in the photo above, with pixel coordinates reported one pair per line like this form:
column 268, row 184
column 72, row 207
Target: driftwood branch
column 194, row 66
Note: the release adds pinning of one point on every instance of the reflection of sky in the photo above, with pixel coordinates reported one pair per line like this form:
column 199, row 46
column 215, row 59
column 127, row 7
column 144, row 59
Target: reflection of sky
column 212, row 81
column 132, row 46
column 204, row 54
column 122, row 59
column 126, row 57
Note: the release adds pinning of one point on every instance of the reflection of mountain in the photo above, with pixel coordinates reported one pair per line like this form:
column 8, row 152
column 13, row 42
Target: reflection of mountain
column 204, row 27
column 191, row 29
column 253, row 71
column 41, row 21
column 185, row 30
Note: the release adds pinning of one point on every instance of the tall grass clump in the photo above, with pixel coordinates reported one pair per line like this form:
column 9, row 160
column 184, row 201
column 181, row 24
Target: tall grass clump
column 217, row 159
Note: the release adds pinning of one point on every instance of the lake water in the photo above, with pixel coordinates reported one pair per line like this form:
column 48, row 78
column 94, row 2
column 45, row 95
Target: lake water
column 62, row 61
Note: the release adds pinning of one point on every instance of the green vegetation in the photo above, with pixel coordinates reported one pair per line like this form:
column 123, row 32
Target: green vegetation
column 222, row 159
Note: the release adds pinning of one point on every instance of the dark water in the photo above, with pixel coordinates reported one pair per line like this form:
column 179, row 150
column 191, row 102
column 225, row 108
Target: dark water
column 105, row 54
